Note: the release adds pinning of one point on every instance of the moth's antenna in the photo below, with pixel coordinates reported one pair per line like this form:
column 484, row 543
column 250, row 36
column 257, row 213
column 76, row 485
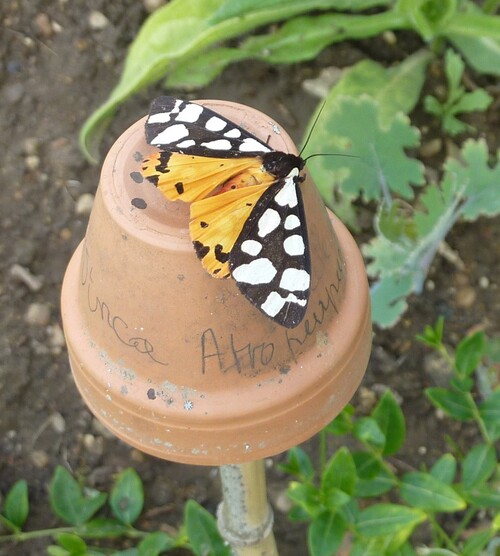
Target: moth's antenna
column 312, row 128
column 330, row 154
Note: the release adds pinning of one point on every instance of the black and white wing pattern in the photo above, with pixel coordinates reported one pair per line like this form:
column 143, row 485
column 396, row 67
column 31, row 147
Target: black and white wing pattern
column 247, row 215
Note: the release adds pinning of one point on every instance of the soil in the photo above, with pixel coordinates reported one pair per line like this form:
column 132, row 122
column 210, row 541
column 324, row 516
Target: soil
column 58, row 63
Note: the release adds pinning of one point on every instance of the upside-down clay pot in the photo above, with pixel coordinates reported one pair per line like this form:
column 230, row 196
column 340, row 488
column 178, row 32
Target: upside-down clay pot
column 180, row 364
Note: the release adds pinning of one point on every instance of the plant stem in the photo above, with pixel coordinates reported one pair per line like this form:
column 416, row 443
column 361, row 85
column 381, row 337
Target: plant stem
column 469, row 514
column 440, row 532
column 322, row 451
column 29, row 535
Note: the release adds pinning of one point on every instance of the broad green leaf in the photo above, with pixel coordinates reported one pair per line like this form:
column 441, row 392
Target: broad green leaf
column 68, row 501
column 342, row 424
column 489, row 411
column 103, row 528
column 340, row 473
column 424, row 491
column 478, row 465
column 480, row 181
column 155, row 543
column 388, row 294
column 477, row 38
column 325, row 534
column 72, row 543
column 230, row 8
column 430, row 18
column 298, row 464
column 16, row 506
column 204, row 537
column 391, row 421
column 454, row 403
column 476, row 542
column 382, row 520
column 367, row 430
column 484, row 496
column 379, row 164
column 445, row 469
column 373, row 478
column 305, row 495
column 469, row 353
column 180, row 30
column 127, row 496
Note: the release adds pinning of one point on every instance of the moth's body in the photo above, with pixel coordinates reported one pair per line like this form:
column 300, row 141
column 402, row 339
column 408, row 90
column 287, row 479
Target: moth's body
column 247, row 218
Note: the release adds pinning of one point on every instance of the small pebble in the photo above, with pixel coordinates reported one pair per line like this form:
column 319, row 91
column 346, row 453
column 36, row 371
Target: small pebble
column 431, row 147
column 23, row 275
column 422, row 450
column 282, row 503
column 136, row 455
column 55, row 338
column 43, row 26
column 465, row 297
column 38, row 314
column 97, row 20
column 13, row 92
column 390, row 38
column 30, row 145
column 40, row 458
column 151, row 5
column 32, row 162
column 58, row 422
column 484, row 282
column 84, row 204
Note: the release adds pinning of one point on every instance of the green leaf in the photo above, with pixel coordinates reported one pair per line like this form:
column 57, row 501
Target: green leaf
column 388, row 294
column 478, row 465
column 454, row 403
column 433, row 336
column 72, row 543
column 480, row 182
column 155, row 543
column 445, row 469
column 103, row 528
column 204, row 537
column 342, row 424
column 298, row 464
column 352, row 126
column 382, row 520
column 68, row 501
column 430, row 18
column 305, row 495
column 424, row 491
column 484, row 496
column 469, row 353
column 367, row 431
column 373, row 478
column 16, row 507
column 340, row 473
column 476, row 542
column 127, row 496
column 391, row 421
column 325, row 534
column 489, row 411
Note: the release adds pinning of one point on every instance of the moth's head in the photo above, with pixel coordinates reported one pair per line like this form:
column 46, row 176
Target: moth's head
column 280, row 164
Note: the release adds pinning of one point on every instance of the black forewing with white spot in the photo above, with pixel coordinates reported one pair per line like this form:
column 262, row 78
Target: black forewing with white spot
column 186, row 127
column 270, row 259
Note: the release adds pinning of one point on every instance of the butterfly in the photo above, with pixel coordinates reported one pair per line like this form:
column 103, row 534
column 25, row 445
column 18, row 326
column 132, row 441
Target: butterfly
column 247, row 216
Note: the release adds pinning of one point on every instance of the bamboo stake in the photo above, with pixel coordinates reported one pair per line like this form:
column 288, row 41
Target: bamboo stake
column 244, row 517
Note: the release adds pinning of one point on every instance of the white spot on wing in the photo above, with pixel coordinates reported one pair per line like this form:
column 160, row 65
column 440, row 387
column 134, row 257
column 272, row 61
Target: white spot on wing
column 171, row 135
column 292, row 221
column 268, row 222
column 190, row 113
column 294, row 279
column 287, row 195
column 160, row 118
column 218, row 145
column 252, row 145
column 274, row 303
column 259, row 271
column 294, row 245
column 251, row 247
column 233, row 133
column 186, row 143
column 215, row 124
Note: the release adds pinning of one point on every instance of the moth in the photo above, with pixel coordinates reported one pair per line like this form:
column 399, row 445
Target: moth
column 247, row 216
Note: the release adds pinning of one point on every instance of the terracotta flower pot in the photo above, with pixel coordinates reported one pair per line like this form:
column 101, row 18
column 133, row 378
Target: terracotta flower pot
column 181, row 365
